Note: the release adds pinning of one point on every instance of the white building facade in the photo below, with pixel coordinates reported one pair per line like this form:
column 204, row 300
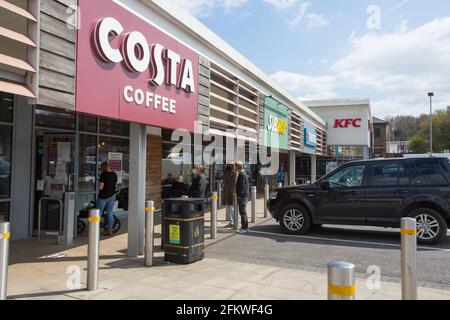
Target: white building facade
column 349, row 127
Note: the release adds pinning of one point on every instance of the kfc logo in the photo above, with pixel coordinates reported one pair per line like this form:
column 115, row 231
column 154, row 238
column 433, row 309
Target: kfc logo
column 347, row 123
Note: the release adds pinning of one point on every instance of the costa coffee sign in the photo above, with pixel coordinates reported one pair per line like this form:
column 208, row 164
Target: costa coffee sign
column 127, row 69
column 347, row 123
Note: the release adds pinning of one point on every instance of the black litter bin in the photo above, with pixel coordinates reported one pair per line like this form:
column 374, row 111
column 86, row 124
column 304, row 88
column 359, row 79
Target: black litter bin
column 183, row 224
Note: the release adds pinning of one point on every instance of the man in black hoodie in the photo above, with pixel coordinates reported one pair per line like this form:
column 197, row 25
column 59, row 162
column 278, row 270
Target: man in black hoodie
column 242, row 190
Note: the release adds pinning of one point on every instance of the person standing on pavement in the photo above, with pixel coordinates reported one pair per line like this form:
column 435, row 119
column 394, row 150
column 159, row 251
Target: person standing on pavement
column 229, row 189
column 242, row 190
column 106, row 195
column 199, row 184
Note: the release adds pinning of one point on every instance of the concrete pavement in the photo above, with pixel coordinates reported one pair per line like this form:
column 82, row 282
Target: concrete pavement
column 45, row 271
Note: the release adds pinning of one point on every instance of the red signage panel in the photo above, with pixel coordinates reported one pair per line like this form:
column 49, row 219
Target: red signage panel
column 347, row 123
column 129, row 70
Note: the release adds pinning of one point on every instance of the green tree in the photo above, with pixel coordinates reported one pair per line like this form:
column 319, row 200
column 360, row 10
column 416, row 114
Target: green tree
column 441, row 133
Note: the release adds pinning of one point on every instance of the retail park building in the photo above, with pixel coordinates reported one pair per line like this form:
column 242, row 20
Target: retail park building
column 117, row 86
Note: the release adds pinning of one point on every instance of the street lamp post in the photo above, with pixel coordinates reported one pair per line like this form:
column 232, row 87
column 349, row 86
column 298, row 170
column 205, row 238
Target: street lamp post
column 431, row 95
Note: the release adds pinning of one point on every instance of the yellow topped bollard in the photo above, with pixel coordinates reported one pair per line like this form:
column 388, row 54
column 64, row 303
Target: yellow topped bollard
column 149, row 225
column 214, row 205
column 408, row 258
column 341, row 281
column 93, row 249
column 5, row 235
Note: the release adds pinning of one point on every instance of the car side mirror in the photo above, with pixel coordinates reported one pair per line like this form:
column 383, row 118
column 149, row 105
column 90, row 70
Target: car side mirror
column 326, row 185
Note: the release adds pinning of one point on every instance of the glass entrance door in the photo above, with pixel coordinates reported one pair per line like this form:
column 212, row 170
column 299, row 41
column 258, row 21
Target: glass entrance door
column 55, row 175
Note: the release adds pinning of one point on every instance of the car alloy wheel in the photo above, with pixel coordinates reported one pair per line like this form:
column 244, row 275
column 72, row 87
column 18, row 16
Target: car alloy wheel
column 428, row 227
column 294, row 220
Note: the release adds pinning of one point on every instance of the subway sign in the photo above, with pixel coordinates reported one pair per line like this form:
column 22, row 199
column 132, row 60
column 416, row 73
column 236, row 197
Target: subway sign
column 276, row 125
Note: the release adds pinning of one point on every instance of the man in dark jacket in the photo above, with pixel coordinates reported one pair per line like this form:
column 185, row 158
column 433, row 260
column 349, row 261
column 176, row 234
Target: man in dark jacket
column 242, row 188
column 199, row 184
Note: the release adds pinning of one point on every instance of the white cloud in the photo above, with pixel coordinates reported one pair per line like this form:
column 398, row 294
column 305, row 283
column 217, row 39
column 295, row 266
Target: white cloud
column 398, row 6
column 282, row 4
column 397, row 69
column 203, row 8
column 301, row 11
column 232, row 4
column 314, row 20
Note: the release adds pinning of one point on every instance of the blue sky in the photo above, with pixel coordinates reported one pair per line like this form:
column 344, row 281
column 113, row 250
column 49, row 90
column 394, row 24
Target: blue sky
column 319, row 49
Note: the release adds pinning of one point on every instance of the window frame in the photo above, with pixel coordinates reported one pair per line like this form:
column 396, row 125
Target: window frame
column 399, row 163
column 416, row 173
column 344, row 167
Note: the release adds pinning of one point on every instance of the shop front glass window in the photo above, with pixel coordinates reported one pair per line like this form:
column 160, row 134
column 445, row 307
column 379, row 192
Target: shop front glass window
column 115, row 128
column 6, row 107
column 5, row 161
column 88, row 162
column 54, row 118
column 4, row 211
column 176, row 175
column 85, row 200
column 116, row 151
column 87, row 123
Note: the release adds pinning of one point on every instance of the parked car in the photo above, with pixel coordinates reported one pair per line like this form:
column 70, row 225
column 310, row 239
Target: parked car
column 374, row 193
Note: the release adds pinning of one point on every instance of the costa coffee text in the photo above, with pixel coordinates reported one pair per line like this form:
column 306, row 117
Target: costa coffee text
column 165, row 66
column 347, row 123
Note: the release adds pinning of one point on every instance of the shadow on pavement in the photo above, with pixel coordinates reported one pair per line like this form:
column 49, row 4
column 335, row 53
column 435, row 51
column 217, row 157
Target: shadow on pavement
column 344, row 236
column 44, row 294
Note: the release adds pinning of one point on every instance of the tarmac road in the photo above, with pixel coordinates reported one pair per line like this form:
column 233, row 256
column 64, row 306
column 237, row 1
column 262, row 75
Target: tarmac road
column 362, row 246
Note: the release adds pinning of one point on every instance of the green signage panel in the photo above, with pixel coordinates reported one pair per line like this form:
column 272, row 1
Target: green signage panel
column 276, row 124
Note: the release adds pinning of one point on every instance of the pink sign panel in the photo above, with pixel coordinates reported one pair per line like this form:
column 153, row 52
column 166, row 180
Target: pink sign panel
column 129, row 70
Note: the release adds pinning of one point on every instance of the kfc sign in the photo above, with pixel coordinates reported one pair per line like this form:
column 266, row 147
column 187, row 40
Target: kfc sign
column 347, row 123
column 128, row 69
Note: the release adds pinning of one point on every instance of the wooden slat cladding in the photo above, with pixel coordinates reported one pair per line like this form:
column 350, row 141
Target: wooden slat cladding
column 19, row 34
column 223, row 101
column 53, row 61
column 235, row 105
column 261, row 117
column 56, row 9
column 322, row 147
column 49, row 97
column 57, row 81
column 154, row 169
column 57, row 54
column 204, row 97
column 297, row 134
column 57, row 28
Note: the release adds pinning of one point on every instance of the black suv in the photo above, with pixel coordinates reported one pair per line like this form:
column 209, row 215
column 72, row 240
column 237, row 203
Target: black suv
column 374, row 193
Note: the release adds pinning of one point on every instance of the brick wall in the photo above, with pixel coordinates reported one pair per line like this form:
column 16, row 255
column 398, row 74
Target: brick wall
column 154, row 156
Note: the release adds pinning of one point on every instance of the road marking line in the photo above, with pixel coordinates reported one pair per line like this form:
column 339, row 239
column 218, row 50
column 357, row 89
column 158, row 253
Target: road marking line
column 346, row 241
